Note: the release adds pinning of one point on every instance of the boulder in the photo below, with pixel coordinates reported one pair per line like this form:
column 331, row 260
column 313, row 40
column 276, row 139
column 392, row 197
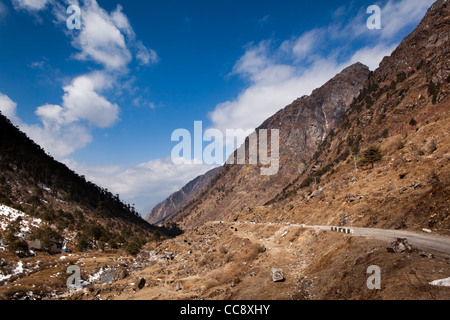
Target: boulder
column 399, row 246
column 179, row 286
column 120, row 274
column 141, row 284
column 315, row 194
column 277, row 275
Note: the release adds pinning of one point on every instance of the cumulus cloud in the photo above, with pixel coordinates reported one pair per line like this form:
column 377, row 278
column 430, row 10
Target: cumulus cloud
column 106, row 38
column 109, row 39
column 62, row 131
column 102, row 36
column 82, row 102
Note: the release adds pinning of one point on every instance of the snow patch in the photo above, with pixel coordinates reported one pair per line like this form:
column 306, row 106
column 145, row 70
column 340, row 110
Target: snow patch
column 441, row 283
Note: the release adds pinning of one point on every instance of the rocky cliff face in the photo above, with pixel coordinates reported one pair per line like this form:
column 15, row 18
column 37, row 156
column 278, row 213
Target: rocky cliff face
column 179, row 199
column 404, row 111
column 303, row 126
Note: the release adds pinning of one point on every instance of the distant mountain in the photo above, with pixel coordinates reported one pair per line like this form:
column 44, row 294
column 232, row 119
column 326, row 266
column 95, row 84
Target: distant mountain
column 303, row 127
column 179, row 199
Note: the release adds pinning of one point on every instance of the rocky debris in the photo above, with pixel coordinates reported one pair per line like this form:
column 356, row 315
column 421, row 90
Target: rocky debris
column 426, row 230
column 141, row 284
column 427, row 255
column 120, row 273
column 179, row 286
column 344, row 219
column 168, row 256
column 315, row 194
column 37, row 245
column 400, row 224
column 277, row 275
column 399, row 246
column 351, row 197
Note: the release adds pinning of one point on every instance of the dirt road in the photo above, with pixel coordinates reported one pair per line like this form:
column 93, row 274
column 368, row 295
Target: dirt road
column 423, row 241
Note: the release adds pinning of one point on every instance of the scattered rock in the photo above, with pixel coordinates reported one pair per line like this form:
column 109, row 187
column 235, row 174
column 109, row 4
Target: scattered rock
column 179, row 286
column 426, row 230
column 399, row 246
column 141, row 284
column 351, row 197
column 400, row 224
column 120, row 274
column 277, row 275
column 315, row 193
column 427, row 255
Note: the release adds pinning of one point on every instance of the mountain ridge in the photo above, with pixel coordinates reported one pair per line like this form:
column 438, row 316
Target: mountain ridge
column 178, row 199
column 302, row 124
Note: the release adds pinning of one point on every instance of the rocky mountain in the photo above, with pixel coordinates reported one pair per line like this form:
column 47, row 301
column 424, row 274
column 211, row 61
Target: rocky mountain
column 402, row 114
column 303, row 126
column 352, row 111
column 403, row 110
column 179, row 199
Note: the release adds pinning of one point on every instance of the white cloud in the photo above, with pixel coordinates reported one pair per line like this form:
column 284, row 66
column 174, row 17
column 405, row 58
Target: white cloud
column 8, row 108
column 372, row 56
column 396, row 15
column 101, row 38
column 82, row 102
column 278, row 74
column 273, row 86
column 144, row 55
column 30, row 5
column 303, row 47
column 109, row 39
column 147, row 184
column 59, row 141
column 62, row 130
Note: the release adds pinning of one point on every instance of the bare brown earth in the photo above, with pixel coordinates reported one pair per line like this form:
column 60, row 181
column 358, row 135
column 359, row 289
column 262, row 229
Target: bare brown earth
column 233, row 261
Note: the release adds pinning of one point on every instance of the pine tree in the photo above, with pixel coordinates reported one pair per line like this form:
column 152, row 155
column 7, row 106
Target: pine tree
column 371, row 156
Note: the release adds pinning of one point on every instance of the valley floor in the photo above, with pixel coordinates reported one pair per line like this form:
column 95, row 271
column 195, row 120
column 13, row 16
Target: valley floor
column 233, row 261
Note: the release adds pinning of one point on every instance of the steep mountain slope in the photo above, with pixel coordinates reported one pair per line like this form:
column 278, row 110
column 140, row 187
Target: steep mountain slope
column 303, row 125
column 33, row 182
column 407, row 92
column 180, row 198
column 403, row 111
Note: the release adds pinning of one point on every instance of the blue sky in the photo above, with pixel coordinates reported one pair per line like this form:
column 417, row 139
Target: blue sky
column 105, row 99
